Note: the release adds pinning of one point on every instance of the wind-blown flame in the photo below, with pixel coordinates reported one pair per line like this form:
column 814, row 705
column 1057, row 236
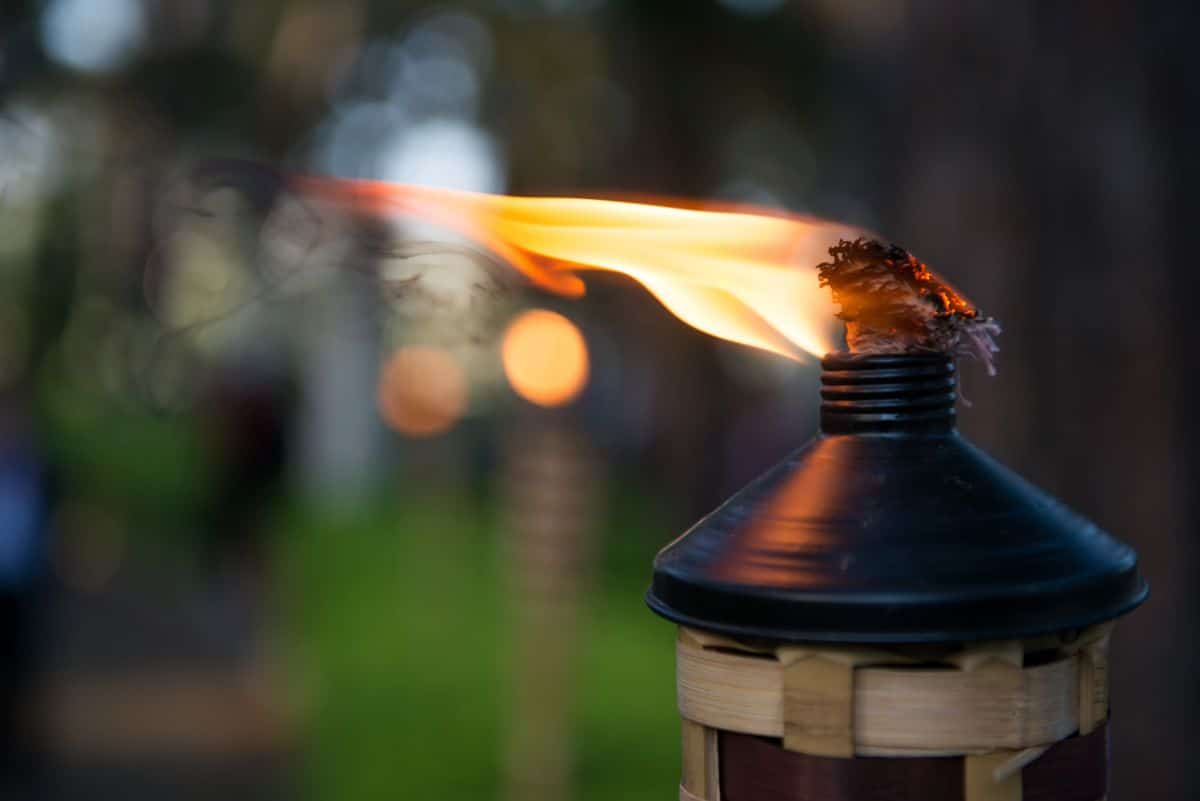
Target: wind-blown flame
column 748, row 277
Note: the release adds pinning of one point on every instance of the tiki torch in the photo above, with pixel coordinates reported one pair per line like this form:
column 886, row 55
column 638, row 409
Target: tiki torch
column 889, row 613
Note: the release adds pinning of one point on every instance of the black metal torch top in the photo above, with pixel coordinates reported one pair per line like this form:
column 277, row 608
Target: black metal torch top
column 889, row 527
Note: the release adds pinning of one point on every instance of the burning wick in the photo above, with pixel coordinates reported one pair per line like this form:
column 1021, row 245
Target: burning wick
column 893, row 303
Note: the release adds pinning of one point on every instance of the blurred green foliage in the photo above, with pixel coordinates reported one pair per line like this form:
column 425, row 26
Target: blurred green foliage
column 400, row 638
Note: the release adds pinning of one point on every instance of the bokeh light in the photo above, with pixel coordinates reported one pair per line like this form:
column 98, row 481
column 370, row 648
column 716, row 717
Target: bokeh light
column 204, row 280
column 422, row 391
column 93, row 35
column 30, row 161
column 448, row 153
column 545, row 358
column 442, row 63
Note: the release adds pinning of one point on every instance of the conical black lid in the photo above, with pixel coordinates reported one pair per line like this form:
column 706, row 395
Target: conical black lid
column 889, row 527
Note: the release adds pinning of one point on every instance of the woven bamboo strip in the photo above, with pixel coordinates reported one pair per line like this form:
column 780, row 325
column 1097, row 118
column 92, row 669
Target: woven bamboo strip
column 980, row 782
column 1018, row 761
column 819, row 698
column 727, row 691
column 990, row 777
column 700, row 770
column 712, row 765
column 692, row 772
column 1092, row 649
column 900, row 710
column 818, row 706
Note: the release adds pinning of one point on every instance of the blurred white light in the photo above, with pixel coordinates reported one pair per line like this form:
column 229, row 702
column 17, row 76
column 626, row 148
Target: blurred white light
column 349, row 144
column 740, row 190
column 373, row 71
column 30, row 154
column 449, row 153
column 440, row 79
column 442, row 64
column 93, row 35
column 752, row 8
column 469, row 37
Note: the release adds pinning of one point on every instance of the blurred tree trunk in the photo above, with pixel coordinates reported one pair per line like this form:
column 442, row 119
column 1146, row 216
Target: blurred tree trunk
column 340, row 447
column 1173, row 83
column 667, row 56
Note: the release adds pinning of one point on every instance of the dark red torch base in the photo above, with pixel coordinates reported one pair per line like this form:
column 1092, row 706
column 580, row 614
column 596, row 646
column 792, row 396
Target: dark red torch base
column 759, row 769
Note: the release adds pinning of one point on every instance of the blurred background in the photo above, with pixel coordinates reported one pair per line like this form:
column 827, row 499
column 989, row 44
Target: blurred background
column 323, row 538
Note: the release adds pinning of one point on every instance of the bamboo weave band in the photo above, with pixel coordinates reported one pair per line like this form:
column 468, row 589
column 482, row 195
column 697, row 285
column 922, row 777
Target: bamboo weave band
column 845, row 703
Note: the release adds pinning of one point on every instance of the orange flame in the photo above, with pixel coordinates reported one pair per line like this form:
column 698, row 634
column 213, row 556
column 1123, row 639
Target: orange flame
column 742, row 276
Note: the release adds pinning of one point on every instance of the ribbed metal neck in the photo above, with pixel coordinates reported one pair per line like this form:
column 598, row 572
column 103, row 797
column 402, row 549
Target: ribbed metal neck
column 888, row 393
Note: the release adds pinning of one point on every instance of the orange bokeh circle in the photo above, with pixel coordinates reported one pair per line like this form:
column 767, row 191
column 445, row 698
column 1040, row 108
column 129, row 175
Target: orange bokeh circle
column 422, row 391
column 545, row 358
